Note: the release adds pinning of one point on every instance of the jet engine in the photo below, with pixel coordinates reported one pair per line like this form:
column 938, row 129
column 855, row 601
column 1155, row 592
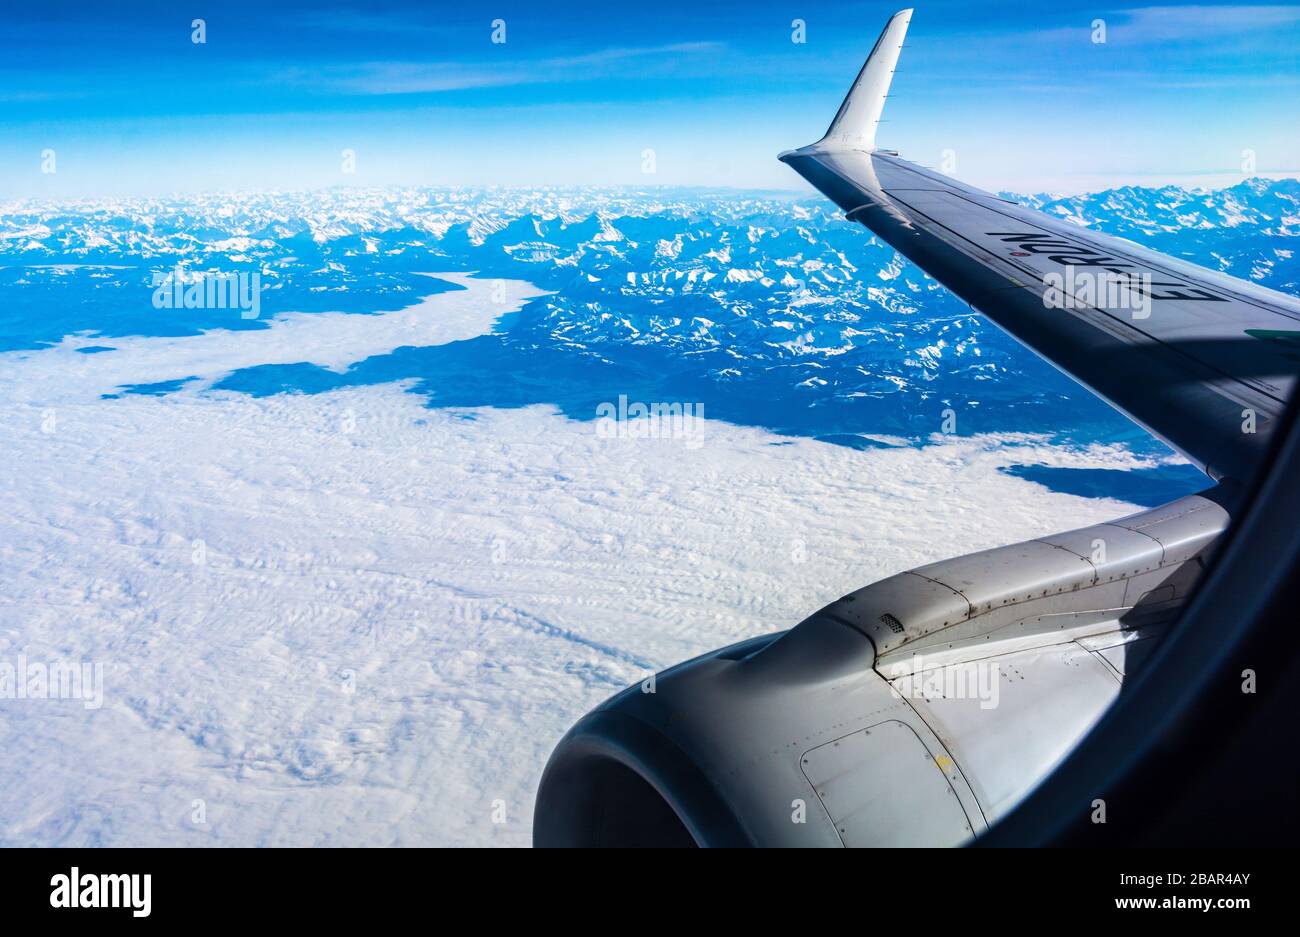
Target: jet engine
column 915, row 711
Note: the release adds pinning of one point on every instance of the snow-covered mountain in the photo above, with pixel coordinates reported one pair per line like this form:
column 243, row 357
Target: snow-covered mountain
column 770, row 308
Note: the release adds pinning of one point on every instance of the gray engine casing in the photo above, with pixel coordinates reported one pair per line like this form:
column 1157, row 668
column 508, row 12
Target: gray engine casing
column 850, row 729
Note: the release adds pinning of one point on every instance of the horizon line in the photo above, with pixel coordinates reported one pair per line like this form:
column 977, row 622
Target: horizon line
column 7, row 201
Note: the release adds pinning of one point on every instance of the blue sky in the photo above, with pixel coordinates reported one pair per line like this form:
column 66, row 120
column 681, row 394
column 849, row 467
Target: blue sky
column 578, row 92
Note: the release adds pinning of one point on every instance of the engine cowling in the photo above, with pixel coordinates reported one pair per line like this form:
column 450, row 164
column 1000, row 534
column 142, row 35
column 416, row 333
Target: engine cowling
column 914, row 711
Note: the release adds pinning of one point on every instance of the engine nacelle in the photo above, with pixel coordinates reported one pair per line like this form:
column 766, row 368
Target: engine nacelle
column 914, row 711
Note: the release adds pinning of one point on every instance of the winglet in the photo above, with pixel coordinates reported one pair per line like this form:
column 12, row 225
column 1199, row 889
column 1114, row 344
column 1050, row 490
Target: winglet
column 854, row 127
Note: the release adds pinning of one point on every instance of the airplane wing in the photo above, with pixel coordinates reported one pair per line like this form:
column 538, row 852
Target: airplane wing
column 1204, row 361
column 921, row 708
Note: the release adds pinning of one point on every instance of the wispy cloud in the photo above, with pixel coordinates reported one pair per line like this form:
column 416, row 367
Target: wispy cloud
column 624, row 53
column 383, row 78
column 1148, row 26
column 1210, row 22
column 1167, row 25
column 396, row 77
